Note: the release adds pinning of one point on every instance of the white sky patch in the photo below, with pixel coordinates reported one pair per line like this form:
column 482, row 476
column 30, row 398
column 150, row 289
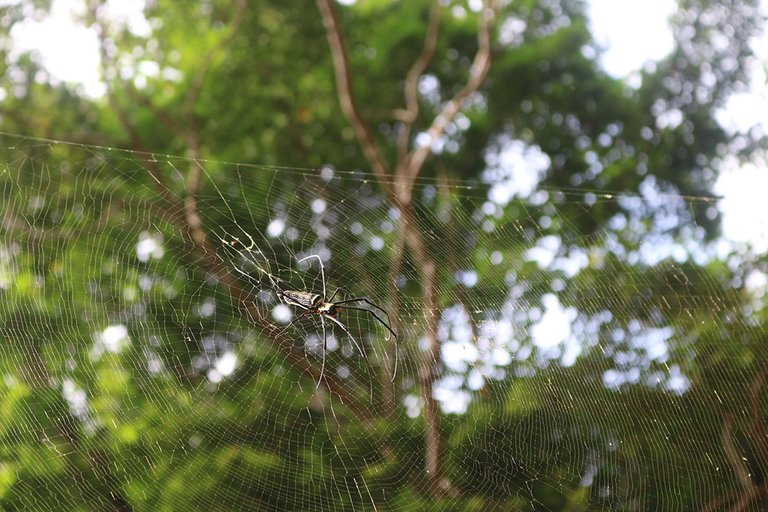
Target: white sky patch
column 206, row 308
column 113, row 339
column 226, row 364
column 377, row 243
column 275, row 228
column 77, row 399
column 129, row 14
column 554, row 327
column 746, row 110
column 318, row 206
column 545, row 251
column 413, row 405
column 69, row 50
column 457, row 354
column 149, row 246
column 631, row 32
column 468, row 278
column 282, row 314
column 514, row 169
column 452, row 398
column 745, row 214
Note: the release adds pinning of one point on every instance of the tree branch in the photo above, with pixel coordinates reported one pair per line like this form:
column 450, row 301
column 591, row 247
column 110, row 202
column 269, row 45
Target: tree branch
column 757, row 424
column 411, row 112
column 186, row 217
column 346, row 97
column 749, row 492
column 408, row 167
column 429, row 364
column 732, row 454
column 481, row 64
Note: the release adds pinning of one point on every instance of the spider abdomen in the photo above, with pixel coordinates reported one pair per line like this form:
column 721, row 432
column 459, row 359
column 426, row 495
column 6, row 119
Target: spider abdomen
column 304, row 300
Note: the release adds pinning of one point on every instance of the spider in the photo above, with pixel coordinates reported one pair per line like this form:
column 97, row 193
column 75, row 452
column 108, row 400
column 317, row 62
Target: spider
column 316, row 304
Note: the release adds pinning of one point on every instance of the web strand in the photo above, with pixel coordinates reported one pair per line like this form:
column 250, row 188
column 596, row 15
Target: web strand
column 572, row 363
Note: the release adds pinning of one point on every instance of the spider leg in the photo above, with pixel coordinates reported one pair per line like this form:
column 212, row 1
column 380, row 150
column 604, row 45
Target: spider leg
column 303, row 315
column 325, row 345
column 344, row 328
column 322, row 269
column 385, row 324
column 394, row 370
column 334, row 294
column 366, row 301
column 373, row 313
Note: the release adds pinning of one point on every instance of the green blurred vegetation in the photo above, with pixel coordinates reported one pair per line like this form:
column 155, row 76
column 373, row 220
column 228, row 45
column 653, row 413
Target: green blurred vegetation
column 253, row 83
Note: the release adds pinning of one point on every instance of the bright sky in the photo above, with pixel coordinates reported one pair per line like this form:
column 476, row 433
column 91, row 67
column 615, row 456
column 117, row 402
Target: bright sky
column 634, row 31
column 630, row 31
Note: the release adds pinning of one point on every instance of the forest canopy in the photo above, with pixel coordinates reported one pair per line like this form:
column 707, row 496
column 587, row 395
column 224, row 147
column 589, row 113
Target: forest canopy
column 378, row 255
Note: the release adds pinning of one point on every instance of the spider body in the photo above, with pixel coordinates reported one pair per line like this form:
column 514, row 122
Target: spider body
column 304, row 300
column 316, row 304
column 312, row 303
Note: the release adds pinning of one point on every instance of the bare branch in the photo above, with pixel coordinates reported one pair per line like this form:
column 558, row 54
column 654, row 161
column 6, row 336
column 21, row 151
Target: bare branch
column 408, row 168
column 389, row 393
column 171, row 123
column 411, row 113
column 118, row 109
column 757, row 427
column 428, row 365
column 734, row 457
column 346, row 97
column 481, row 64
column 749, row 492
column 191, row 133
column 185, row 216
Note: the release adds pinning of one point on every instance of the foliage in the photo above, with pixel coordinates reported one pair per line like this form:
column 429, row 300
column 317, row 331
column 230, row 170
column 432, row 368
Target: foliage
column 151, row 426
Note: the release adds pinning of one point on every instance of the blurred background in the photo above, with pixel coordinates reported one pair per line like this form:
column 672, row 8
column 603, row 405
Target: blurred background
column 548, row 218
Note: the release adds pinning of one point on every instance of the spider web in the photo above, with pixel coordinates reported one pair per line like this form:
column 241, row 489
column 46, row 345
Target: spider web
column 149, row 363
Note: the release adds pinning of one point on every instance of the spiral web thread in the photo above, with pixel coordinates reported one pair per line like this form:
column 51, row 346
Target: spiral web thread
column 133, row 375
